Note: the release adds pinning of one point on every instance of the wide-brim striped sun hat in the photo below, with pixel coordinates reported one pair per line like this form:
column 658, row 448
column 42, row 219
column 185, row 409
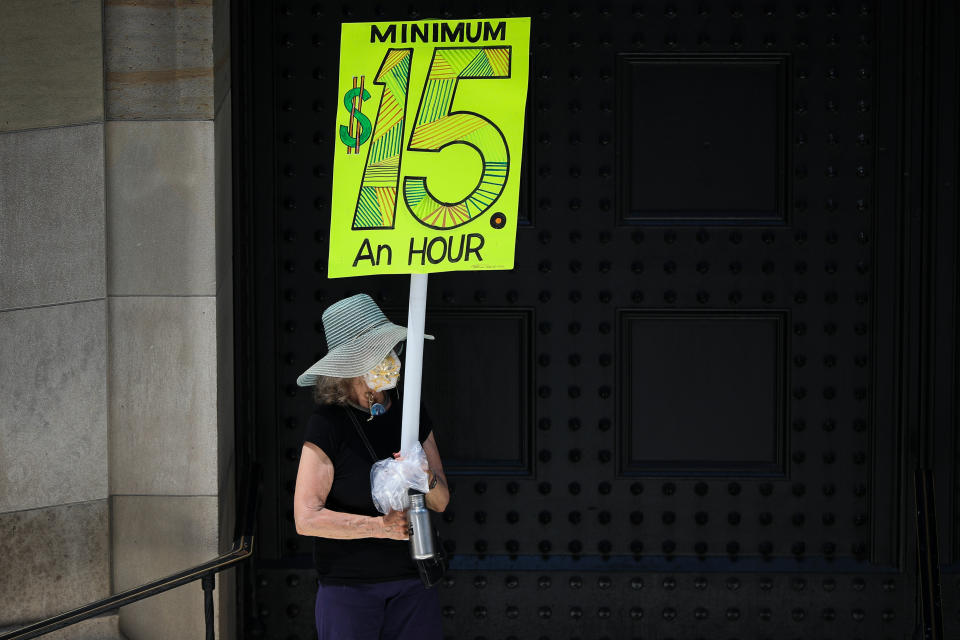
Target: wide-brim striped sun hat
column 358, row 336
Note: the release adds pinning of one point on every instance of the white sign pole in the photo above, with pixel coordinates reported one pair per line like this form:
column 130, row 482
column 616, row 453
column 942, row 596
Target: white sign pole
column 413, row 367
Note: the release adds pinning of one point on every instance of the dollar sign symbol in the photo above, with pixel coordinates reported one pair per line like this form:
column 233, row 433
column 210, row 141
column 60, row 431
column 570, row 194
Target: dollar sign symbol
column 363, row 128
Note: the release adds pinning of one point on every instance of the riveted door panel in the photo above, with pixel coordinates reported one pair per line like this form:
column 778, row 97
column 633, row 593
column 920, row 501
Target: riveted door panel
column 677, row 416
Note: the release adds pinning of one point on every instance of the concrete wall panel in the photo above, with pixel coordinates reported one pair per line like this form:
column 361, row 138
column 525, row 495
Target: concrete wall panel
column 53, row 417
column 51, row 216
column 226, row 457
column 159, row 59
column 154, row 536
column 163, row 396
column 221, row 51
column 225, row 390
column 51, row 63
column 224, row 193
column 54, row 559
column 160, row 215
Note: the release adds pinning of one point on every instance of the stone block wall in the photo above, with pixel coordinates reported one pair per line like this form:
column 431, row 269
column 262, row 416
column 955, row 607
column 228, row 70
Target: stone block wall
column 116, row 419
column 54, row 501
column 168, row 270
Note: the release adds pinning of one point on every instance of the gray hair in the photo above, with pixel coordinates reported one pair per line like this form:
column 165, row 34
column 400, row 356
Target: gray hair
column 332, row 390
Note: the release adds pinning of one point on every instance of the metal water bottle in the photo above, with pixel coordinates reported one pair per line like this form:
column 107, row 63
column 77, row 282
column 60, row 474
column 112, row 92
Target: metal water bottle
column 421, row 533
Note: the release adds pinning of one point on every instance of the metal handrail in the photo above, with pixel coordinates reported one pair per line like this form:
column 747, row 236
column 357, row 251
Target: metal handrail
column 205, row 572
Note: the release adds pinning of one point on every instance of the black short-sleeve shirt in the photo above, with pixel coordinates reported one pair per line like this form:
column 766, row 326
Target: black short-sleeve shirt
column 363, row 559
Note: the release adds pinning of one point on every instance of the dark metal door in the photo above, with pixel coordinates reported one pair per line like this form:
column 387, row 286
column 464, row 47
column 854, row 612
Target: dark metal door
column 692, row 410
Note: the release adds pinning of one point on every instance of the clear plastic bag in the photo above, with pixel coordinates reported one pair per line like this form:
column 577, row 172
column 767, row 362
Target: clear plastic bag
column 391, row 478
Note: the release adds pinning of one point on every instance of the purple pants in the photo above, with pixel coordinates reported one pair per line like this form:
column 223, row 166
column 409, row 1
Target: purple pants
column 394, row 610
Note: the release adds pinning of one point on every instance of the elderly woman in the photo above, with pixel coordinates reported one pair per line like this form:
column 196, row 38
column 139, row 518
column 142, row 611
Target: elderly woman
column 369, row 586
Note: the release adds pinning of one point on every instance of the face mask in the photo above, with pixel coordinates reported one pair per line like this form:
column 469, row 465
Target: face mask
column 385, row 375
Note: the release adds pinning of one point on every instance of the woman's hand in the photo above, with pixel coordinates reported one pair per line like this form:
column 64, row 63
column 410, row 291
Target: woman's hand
column 398, row 458
column 394, row 526
column 426, row 466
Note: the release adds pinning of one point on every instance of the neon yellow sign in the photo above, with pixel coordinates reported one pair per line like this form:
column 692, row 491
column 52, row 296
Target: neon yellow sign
column 428, row 181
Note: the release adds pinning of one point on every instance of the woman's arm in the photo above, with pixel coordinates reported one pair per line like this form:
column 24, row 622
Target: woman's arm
column 439, row 497
column 312, row 518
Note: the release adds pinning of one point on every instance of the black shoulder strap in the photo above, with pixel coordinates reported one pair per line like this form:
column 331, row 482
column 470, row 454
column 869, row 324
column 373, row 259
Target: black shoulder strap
column 363, row 436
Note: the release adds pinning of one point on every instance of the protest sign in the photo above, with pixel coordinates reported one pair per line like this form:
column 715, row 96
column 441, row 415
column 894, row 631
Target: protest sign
column 429, row 137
